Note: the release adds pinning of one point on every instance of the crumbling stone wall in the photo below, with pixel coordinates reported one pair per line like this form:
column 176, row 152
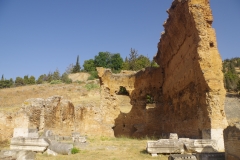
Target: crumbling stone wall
column 232, row 142
column 187, row 87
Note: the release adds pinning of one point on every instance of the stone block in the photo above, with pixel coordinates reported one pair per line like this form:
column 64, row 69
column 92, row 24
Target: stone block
column 67, row 138
column 50, row 152
column 25, row 132
column 61, row 148
column 165, row 146
column 200, row 145
column 173, row 136
column 215, row 134
column 17, row 154
column 33, row 144
column 211, row 156
column 182, row 157
column 81, row 139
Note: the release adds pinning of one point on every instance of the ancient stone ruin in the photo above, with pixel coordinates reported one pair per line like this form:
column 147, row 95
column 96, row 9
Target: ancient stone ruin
column 186, row 91
column 187, row 87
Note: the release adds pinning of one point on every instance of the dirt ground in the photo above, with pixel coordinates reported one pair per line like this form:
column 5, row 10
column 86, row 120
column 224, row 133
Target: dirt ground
column 103, row 148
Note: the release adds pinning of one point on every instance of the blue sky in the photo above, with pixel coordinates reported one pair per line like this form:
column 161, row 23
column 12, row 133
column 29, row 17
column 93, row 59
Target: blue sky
column 40, row 36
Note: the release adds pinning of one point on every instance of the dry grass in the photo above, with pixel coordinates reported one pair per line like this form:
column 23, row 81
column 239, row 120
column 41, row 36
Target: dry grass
column 108, row 148
column 11, row 99
column 4, row 144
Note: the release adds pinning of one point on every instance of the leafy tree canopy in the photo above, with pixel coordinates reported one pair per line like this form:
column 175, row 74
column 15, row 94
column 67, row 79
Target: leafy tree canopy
column 89, row 65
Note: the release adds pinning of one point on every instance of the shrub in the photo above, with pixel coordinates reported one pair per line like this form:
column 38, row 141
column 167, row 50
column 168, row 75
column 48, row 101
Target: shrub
column 75, row 150
column 90, row 77
column 91, row 86
column 93, row 75
column 65, row 78
column 56, row 82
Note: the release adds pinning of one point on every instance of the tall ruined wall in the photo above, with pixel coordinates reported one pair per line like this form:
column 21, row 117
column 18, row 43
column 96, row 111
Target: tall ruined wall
column 188, row 55
column 188, row 86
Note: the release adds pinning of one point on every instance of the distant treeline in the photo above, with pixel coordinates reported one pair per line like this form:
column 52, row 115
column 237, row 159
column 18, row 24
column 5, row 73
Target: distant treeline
column 54, row 77
column 113, row 61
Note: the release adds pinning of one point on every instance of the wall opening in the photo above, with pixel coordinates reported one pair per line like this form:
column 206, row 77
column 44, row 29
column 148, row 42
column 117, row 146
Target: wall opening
column 150, row 101
column 211, row 44
column 124, row 100
column 123, row 91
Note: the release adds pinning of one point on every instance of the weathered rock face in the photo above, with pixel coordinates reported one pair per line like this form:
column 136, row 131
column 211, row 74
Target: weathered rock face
column 187, row 88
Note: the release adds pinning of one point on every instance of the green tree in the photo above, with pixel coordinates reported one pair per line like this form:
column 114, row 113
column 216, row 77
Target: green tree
column 132, row 59
column 19, row 81
column 42, row 78
column 56, row 75
column 89, row 65
column 49, row 77
column 231, row 76
column 116, row 62
column 154, row 64
column 125, row 65
column 77, row 67
column 25, row 80
column 11, row 82
column 69, row 69
column 141, row 62
column 238, row 85
column 2, row 79
column 65, row 78
column 102, row 59
column 31, row 80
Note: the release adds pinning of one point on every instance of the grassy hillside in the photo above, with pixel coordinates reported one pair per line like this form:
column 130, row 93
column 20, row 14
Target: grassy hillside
column 11, row 99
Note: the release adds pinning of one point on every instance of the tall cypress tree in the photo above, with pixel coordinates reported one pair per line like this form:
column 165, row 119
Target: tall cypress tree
column 77, row 67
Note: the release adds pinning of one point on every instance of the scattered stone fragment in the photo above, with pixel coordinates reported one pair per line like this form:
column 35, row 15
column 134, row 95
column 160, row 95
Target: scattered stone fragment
column 50, row 152
column 17, row 155
column 173, row 136
column 182, row 157
column 201, row 145
column 60, row 148
column 165, row 146
column 181, row 145
column 33, row 144
column 211, row 156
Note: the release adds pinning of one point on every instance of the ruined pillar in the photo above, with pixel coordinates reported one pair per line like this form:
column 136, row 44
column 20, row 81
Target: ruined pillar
column 193, row 81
